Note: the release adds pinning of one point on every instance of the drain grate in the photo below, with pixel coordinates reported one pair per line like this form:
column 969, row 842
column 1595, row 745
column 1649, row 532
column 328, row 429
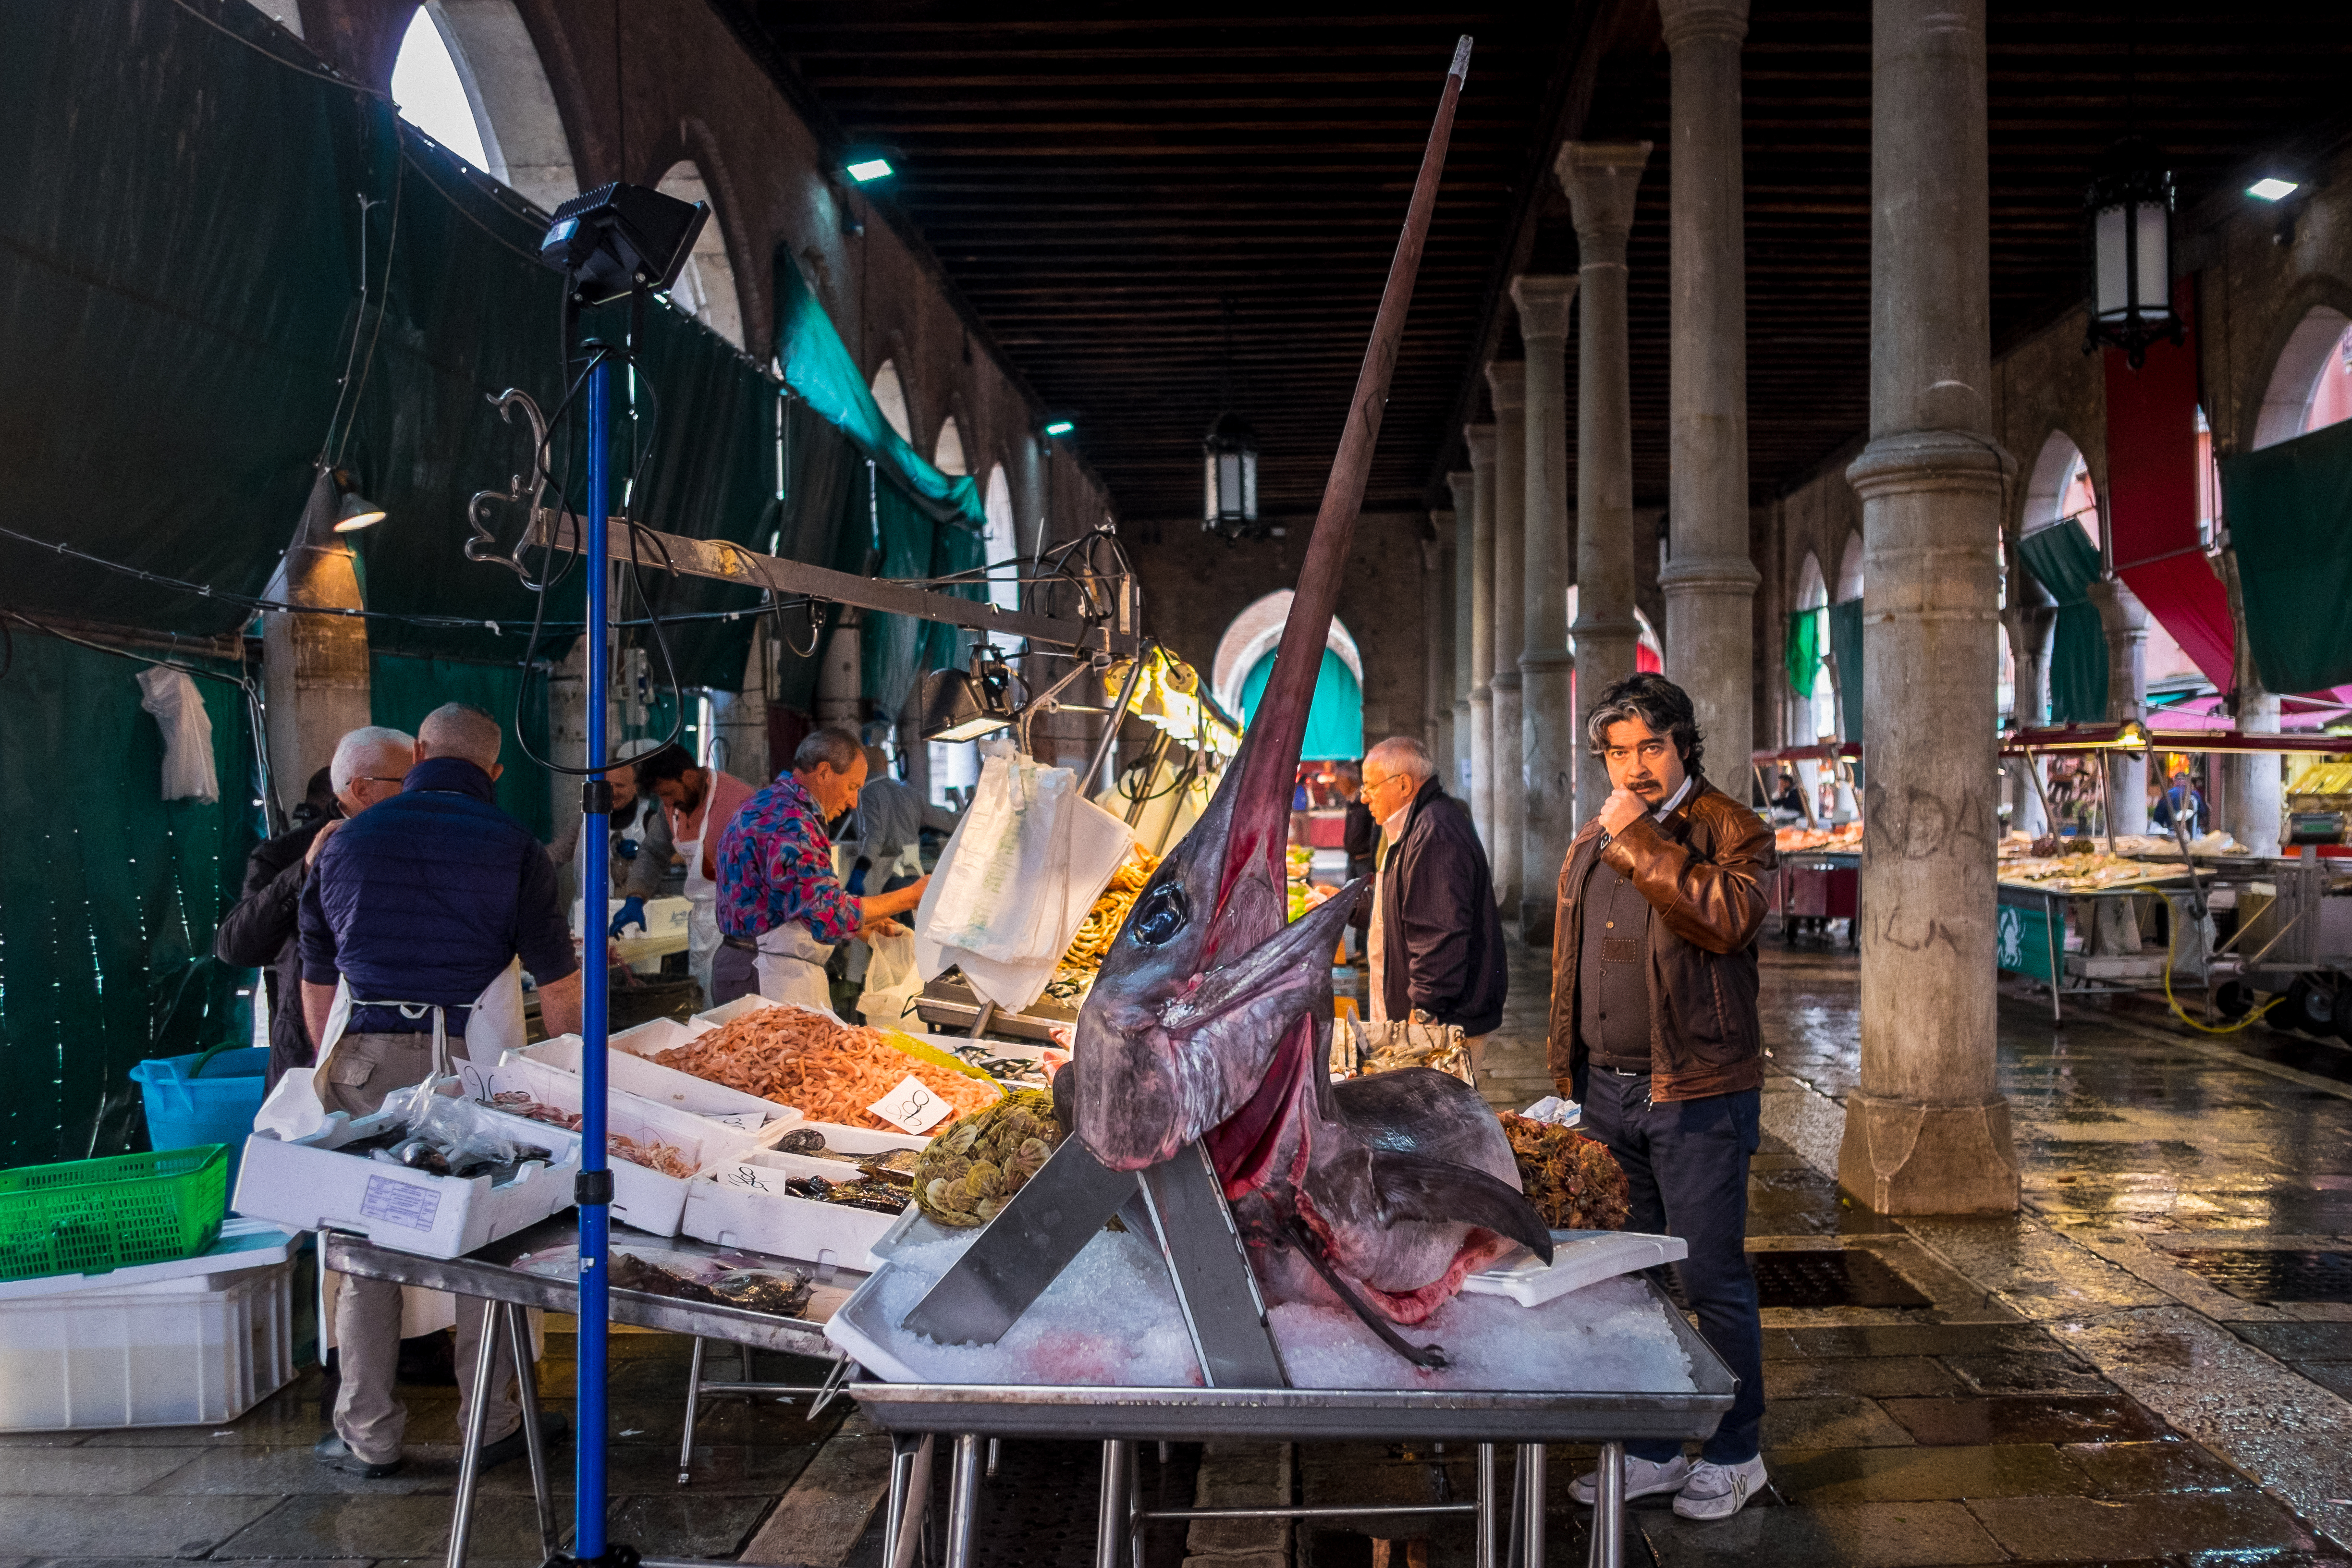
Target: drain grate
column 1830, row 1276
column 2256, row 1274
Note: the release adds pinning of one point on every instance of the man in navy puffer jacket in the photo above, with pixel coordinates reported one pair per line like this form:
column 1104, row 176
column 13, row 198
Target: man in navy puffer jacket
column 419, row 904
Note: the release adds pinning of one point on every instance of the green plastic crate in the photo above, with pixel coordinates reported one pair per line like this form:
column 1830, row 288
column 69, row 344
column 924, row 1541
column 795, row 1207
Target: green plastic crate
column 86, row 1217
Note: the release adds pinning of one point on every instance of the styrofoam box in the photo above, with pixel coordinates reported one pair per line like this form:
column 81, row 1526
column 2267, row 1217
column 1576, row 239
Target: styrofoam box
column 628, row 1067
column 169, row 1352
column 308, row 1185
column 742, row 1202
column 662, row 916
column 646, row 1199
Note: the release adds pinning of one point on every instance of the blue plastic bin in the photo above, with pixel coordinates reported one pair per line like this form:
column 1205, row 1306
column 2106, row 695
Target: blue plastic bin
column 218, row 1107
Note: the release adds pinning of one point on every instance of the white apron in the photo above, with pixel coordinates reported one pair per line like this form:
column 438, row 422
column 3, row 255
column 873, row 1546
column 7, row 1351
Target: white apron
column 701, row 906
column 791, row 966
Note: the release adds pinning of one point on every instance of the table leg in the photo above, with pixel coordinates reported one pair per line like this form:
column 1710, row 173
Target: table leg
column 994, row 1452
column 2054, row 930
column 1485, row 1521
column 693, row 1400
column 469, row 1461
column 534, row 1442
column 1531, row 1489
column 910, row 1496
column 1111, row 1525
column 963, row 1499
column 1609, row 1508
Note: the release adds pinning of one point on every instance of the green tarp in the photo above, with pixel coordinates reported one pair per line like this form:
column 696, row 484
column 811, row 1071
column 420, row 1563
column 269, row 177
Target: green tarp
column 1803, row 656
column 402, row 691
column 1846, row 647
column 1335, row 720
column 2290, row 513
column 2065, row 561
column 108, row 896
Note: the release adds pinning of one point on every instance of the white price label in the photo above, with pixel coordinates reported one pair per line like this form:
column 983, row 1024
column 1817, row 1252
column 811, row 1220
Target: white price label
column 912, row 1107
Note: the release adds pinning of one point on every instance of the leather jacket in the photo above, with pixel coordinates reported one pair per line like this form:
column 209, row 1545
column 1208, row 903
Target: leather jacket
column 1702, row 870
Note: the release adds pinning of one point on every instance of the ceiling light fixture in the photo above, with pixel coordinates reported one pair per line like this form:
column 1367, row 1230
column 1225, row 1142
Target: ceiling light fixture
column 353, row 510
column 1059, row 427
column 866, row 171
column 2270, row 188
column 2128, row 214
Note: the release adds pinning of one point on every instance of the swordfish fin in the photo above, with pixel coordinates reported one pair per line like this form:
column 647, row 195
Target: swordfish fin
column 1439, row 1192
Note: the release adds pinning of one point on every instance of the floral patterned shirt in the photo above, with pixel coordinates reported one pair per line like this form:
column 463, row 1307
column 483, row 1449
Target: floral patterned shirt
column 775, row 865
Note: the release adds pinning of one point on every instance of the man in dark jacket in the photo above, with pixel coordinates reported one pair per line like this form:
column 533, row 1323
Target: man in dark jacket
column 259, row 932
column 1436, row 942
column 1653, row 1028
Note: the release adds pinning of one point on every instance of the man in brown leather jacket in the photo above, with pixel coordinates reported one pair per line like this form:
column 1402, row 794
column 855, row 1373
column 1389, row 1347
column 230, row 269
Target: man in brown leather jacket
column 1653, row 1029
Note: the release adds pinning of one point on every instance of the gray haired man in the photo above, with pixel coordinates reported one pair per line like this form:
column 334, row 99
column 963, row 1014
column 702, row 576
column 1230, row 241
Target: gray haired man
column 1435, row 946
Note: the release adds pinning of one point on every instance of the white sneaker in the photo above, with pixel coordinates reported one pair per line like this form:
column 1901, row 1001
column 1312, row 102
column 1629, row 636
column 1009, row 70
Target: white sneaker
column 1718, row 1491
column 1644, row 1477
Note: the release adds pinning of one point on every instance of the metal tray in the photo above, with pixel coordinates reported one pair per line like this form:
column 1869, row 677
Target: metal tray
column 1310, row 1414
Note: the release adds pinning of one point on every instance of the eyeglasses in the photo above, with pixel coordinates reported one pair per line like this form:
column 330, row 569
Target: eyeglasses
column 375, row 778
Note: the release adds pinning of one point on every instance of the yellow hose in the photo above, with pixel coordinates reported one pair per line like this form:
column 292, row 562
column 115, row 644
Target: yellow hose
column 2247, row 1022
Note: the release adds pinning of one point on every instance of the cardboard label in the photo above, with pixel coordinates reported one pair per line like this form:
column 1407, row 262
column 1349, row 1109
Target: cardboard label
column 753, row 1179
column 912, row 1107
column 404, row 1203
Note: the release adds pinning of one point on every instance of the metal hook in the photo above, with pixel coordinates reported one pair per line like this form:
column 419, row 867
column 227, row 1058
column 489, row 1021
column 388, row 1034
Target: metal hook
column 484, row 545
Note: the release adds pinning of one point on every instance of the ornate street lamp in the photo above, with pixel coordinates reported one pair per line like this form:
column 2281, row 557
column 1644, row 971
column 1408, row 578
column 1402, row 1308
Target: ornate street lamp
column 1229, row 508
column 2128, row 219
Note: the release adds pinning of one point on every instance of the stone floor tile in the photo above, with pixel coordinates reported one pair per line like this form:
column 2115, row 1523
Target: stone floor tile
column 131, row 1526
column 2022, row 1418
column 2048, row 1529
column 1915, row 1474
column 251, row 1472
column 688, row 1526
column 1870, row 1377
column 363, row 1524
column 2335, row 1375
column 85, row 1472
column 2299, row 1342
column 1864, row 1535
column 2166, row 1465
column 2049, row 1370
column 2036, row 1270
column 1833, row 1422
column 1903, row 1340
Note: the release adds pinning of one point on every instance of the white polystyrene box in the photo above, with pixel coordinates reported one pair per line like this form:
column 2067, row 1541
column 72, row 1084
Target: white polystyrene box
column 628, row 1066
column 204, row 1349
column 742, row 1202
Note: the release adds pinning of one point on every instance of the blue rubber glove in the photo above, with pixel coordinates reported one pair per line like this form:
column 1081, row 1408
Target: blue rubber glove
column 631, row 910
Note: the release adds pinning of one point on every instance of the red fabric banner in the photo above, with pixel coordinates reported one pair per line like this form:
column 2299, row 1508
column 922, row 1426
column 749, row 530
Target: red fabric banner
column 2152, row 496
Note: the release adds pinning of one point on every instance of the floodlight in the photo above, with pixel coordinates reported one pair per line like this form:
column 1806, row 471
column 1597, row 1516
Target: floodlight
column 353, row 510
column 1060, row 427
column 618, row 237
column 866, row 171
column 964, row 705
column 2270, row 188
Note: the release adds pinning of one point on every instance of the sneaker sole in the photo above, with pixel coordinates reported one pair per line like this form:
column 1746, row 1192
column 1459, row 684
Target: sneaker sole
column 1584, row 1500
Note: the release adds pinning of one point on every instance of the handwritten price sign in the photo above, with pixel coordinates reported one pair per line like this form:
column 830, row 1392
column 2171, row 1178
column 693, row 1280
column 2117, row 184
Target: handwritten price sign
column 912, row 1107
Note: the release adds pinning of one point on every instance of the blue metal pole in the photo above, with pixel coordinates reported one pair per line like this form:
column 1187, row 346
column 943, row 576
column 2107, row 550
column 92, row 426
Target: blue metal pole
column 596, row 882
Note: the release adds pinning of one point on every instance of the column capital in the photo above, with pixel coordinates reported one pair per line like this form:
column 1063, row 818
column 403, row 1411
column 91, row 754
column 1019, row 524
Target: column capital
column 1686, row 20
column 1507, row 383
column 2119, row 607
column 1461, row 481
column 1543, row 301
column 1481, row 440
column 1909, row 461
column 1710, row 574
column 1600, row 178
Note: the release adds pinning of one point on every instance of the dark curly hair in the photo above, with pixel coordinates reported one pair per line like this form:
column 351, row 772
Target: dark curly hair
column 1657, row 702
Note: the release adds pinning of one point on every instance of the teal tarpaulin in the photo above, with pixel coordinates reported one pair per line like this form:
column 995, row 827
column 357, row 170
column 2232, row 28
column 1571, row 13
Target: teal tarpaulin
column 2063, row 558
column 1845, row 648
column 2290, row 513
column 1335, row 722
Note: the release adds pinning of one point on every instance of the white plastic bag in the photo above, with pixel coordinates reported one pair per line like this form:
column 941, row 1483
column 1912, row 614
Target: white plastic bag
column 1001, row 898
column 891, row 981
column 179, row 708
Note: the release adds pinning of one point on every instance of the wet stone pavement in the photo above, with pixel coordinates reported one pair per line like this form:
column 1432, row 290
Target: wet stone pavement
column 2149, row 1365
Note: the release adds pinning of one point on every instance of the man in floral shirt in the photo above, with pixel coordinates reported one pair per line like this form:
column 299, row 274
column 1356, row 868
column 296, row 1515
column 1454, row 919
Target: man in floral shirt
column 781, row 909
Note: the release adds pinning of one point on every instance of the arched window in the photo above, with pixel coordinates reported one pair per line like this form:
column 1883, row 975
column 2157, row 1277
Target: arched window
column 1335, row 724
column 1003, row 544
column 1849, row 583
column 890, row 396
column 947, row 456
column 1816, row 706
column 469, row 76
column 2311, row 385
column 706, row 286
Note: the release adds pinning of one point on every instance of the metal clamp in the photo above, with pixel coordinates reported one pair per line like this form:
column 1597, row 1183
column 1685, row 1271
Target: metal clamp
column 484, row 544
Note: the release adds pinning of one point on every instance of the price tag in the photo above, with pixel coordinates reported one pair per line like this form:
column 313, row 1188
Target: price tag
column 912, row 1107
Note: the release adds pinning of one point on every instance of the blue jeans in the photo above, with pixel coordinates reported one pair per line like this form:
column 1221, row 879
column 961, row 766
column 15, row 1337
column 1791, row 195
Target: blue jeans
column 1685, row 1164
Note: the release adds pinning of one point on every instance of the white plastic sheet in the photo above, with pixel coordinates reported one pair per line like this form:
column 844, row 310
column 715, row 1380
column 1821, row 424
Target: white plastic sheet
column 171, row 696
column 1012, row 845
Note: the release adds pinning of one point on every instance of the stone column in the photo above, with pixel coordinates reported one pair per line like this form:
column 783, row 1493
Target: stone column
column 1600, row 179
column 1437, row 637
column 1465, row 485
column 1547, row 669
column 1927, row 1130
column 1481, row 439
column 2125, row 619
column 2029, row 625
column 2253, row 787
column 1709, row 580
column 1506, row 384
column 314, row 668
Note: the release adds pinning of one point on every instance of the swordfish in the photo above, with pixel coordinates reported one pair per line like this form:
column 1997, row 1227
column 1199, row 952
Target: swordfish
column 1211, row 1018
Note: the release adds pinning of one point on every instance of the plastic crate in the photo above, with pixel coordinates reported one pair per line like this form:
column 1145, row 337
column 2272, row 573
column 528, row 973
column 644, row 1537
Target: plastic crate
column 85, row 1216
column 217, row 1107
column 172, row 1353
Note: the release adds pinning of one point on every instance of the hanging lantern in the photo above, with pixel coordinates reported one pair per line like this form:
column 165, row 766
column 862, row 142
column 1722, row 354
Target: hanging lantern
column 1229, row 505
column 2129, row 215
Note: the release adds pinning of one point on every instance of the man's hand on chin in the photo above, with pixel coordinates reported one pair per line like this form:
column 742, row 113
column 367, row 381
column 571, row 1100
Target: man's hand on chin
column 1621, row 811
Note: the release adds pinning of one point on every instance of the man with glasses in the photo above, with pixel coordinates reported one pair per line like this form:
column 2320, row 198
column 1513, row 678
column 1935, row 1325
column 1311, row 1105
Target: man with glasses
column 1653, row 1030
column 1436, row 941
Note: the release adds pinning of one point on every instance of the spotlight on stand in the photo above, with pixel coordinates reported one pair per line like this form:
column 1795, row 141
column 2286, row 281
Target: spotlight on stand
column 2127, row 212
column 619, row 237
column 964, row 705
column 353, row 510
column 1229, row 503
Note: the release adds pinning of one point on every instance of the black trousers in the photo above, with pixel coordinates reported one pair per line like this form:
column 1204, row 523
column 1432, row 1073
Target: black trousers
column 1685, row 1164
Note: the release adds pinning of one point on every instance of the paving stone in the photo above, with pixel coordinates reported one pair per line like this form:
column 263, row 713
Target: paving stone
column 2334, row 1375
column 329, row 1525
column 1916, row 1474
column 2299, row 1342
column 2022, row 1418
column 2045, row 1529
column 85, row 1472
column 1902, row 1340
column 689, row 1526
column 133, row 1526
column 243, row 1471
column 2166, row 1465
column 1864, row 1535
column 1871, row 1377
column 1834, row 1423
column 2045, row 1371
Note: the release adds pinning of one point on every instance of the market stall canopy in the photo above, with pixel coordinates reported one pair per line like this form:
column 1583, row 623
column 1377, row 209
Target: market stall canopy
column 2290, row 511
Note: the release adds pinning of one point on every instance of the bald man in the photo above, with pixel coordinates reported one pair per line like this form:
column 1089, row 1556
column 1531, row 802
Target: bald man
column 419, row 907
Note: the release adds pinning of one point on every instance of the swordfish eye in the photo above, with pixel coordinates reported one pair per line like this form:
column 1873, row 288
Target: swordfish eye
column 1160, row 916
